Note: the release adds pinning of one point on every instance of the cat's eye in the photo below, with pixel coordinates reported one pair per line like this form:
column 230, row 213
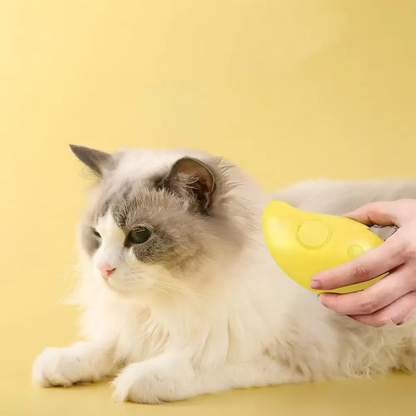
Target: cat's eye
column 139, row 235
column 96, row 233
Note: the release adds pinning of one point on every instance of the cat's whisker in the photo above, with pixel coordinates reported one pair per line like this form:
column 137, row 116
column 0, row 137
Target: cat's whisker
column 181, row 289
column 161, row 289
column 168, row 291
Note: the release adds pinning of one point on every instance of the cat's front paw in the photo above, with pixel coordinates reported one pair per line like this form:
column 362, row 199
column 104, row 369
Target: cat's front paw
column 155, row 381
column 58, row 367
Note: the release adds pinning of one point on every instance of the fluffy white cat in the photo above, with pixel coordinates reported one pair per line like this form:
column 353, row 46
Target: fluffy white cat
column 181, row 297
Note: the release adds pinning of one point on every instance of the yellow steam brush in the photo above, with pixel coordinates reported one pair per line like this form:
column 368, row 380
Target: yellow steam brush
column 305, row 243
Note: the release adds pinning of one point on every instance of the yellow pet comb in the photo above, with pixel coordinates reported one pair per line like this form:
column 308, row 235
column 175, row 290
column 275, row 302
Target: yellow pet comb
column 305, row 243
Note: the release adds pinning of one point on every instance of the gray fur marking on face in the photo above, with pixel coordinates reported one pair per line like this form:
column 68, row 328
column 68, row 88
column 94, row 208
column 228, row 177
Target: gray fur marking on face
column 190, row 224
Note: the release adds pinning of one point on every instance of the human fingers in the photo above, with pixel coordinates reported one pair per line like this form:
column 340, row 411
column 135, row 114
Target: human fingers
column 374, row 298
column 398, row 312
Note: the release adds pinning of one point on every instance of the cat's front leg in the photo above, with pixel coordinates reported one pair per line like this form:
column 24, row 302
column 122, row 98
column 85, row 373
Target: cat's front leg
column 172, row 377
column 168, row 377
column 80, row 363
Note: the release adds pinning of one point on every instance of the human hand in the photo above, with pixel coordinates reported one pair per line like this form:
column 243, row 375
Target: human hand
column 393, row 298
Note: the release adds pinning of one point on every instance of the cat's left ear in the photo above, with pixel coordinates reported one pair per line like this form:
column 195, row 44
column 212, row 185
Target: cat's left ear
column 96, row 160
column 192, row 178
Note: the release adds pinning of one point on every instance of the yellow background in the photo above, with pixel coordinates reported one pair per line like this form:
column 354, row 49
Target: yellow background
column 288, row 89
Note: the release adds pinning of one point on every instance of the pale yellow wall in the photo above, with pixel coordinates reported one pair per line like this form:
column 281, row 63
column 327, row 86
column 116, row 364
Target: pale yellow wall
column 288, row 89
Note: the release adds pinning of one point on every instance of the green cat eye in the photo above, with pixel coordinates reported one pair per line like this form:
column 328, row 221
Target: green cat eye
column 139, row 235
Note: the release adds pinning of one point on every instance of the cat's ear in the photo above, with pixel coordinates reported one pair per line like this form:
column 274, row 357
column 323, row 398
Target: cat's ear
column 192, row 178
column 96, row 160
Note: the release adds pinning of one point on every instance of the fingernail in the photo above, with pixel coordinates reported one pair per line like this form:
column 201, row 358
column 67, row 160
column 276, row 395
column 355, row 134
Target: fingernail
column 315, row 284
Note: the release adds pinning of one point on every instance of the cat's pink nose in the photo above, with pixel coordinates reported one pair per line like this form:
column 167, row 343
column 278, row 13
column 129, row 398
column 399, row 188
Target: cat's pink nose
column 105, row 270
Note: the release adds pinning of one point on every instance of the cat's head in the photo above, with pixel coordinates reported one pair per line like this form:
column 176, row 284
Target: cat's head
column 163, row 220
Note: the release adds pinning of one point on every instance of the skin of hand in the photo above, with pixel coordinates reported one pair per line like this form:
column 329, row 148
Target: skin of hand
column 392, row 300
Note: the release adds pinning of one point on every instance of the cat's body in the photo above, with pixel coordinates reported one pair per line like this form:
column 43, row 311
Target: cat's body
column 200, row 306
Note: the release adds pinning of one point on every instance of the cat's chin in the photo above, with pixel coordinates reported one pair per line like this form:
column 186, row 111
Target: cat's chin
column 125, row 290
column 146, row 291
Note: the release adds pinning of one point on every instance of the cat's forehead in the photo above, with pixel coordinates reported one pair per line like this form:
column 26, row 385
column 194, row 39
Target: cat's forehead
column 136, row 201
column 131, row 190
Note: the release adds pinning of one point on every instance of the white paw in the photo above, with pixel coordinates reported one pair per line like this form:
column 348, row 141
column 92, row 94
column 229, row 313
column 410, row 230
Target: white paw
column 57, row 367
column 154, row 381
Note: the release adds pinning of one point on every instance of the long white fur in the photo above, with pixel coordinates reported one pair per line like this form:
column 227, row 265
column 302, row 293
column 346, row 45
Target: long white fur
column 251, row 326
